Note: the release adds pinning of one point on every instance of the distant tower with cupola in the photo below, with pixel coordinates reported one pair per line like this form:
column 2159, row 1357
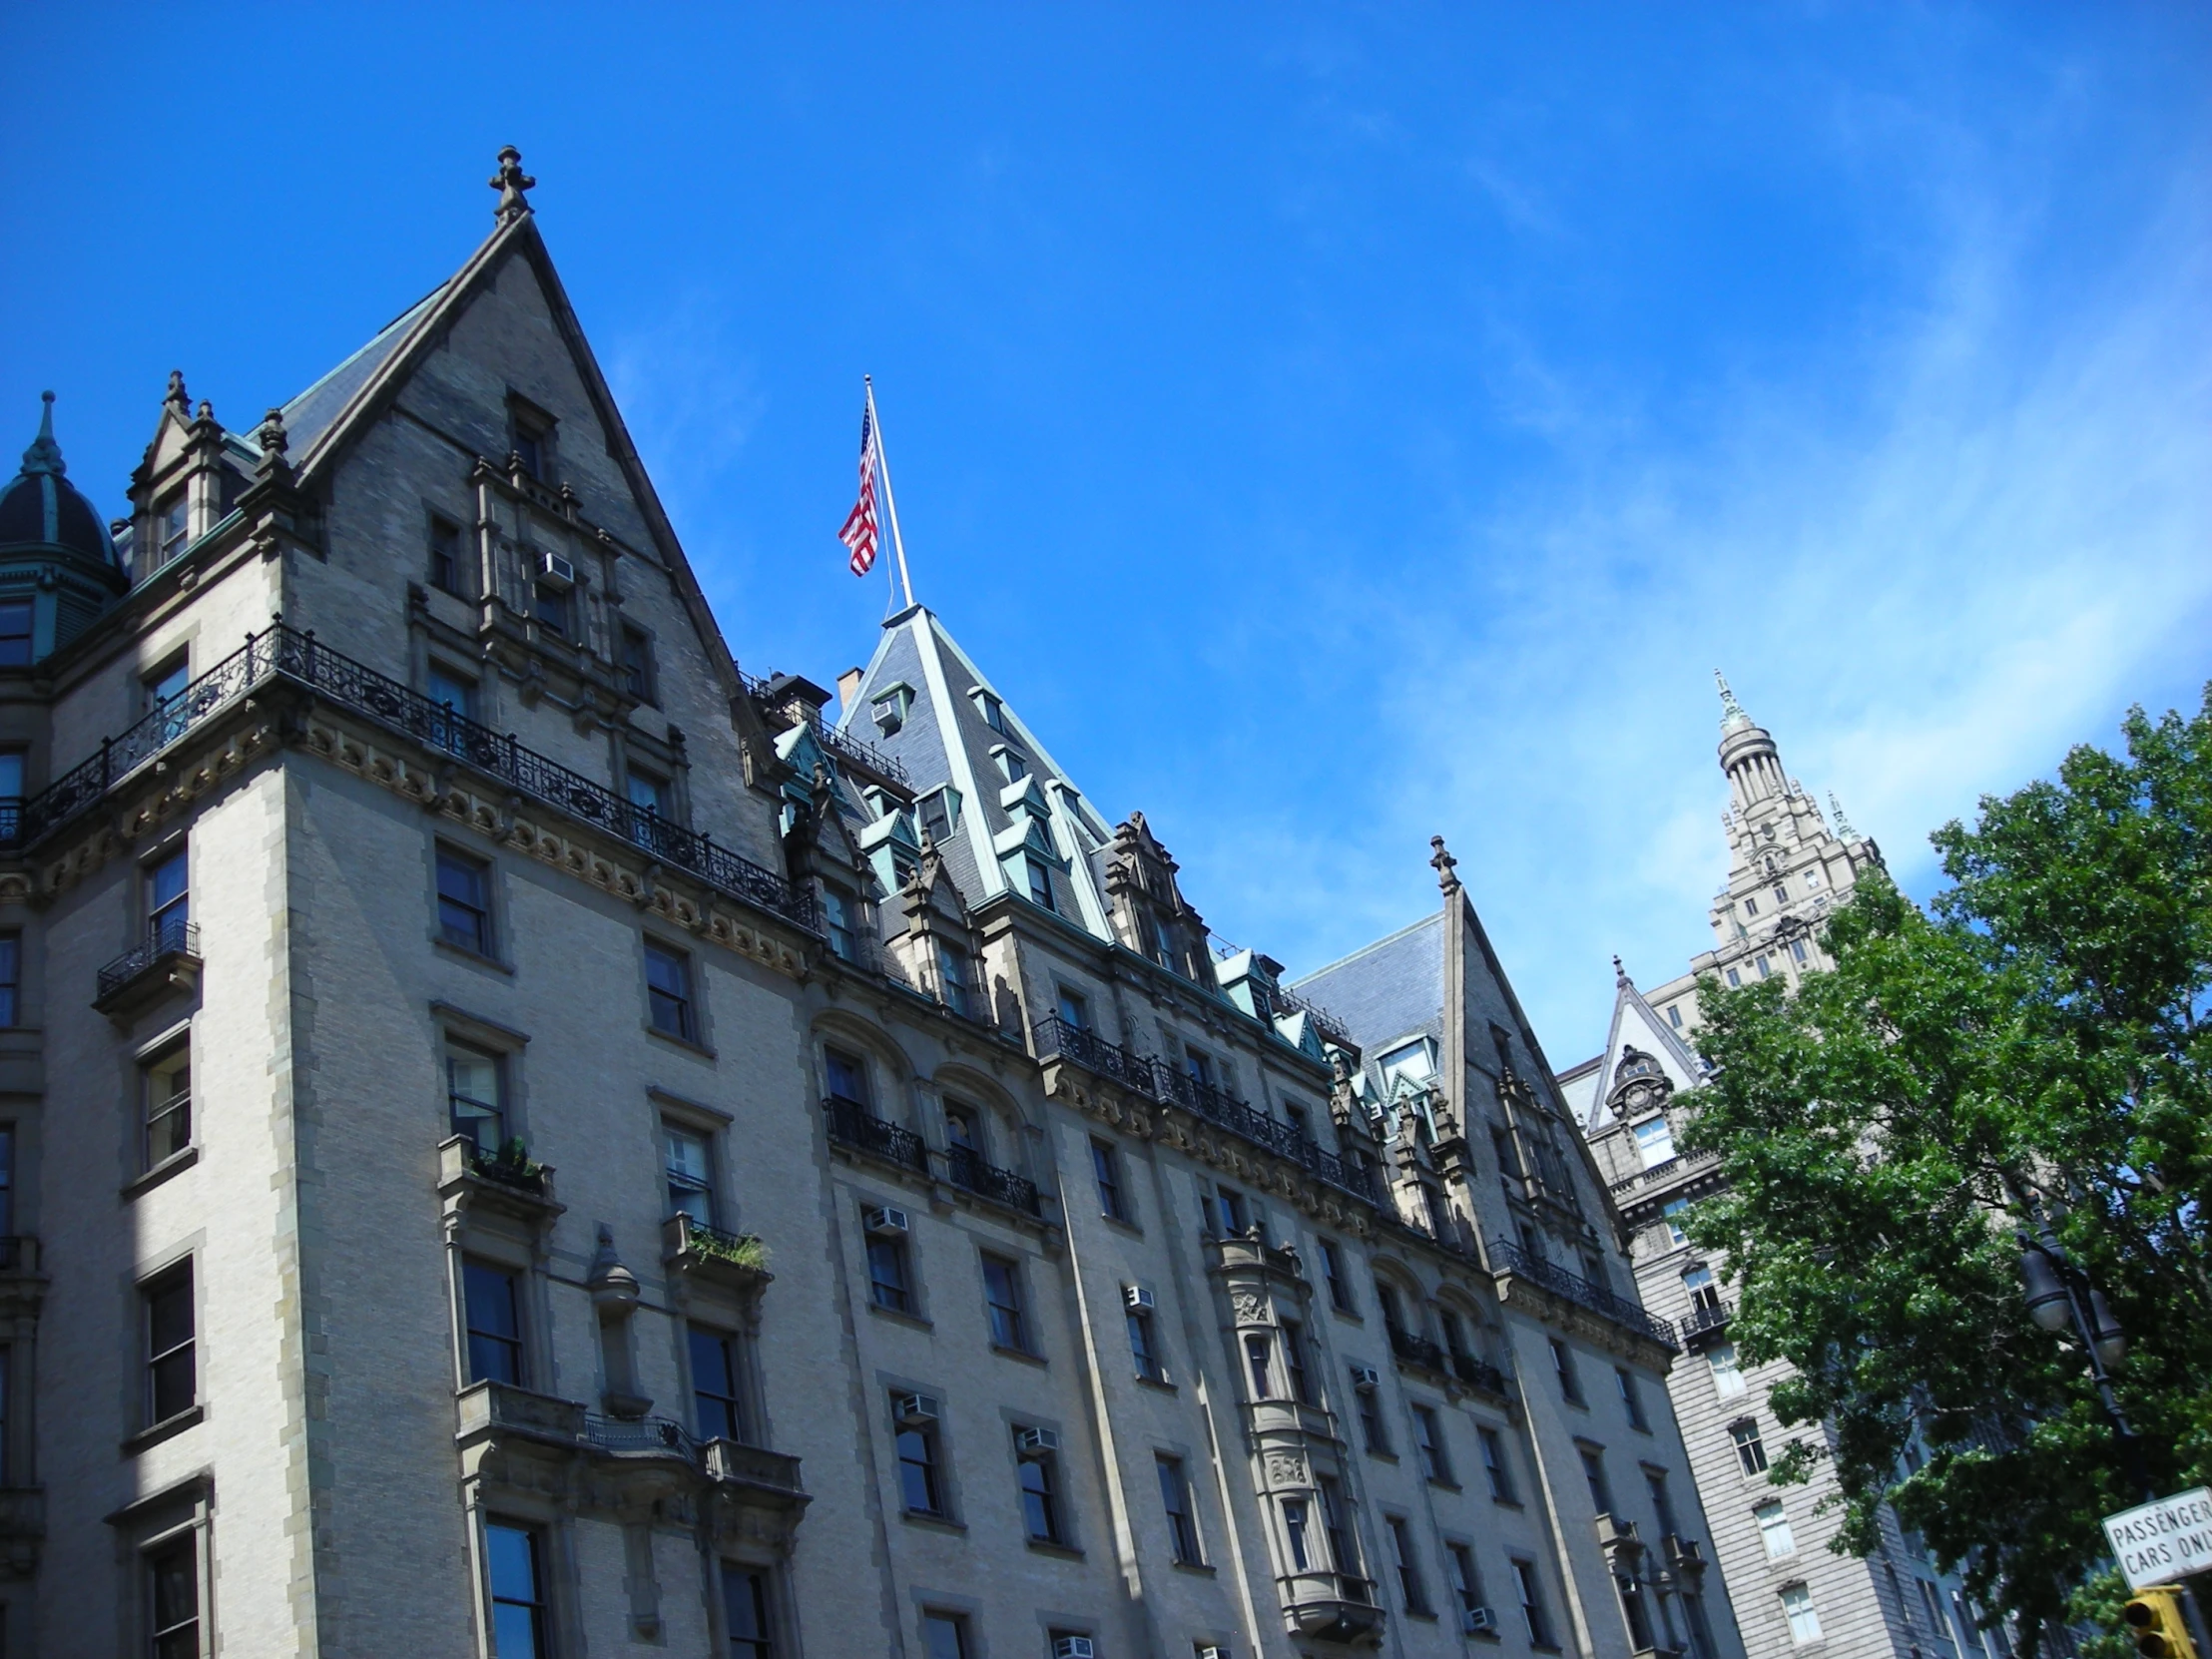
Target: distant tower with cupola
column 58, row 564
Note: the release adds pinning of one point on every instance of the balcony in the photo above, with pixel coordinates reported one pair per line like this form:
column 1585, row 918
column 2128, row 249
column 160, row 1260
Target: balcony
column 965, row 1168
column 1480, row 1374
column 167, row 959
column 854, row 1125
column 1418, row 1351
column 738, row 1260
column 1572, row 1287
column 1702, row 1324
column 1332, row 1608
column 508, row 1181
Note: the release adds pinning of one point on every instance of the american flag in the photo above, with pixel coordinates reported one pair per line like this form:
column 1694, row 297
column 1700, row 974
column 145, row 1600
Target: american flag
column 858, row 533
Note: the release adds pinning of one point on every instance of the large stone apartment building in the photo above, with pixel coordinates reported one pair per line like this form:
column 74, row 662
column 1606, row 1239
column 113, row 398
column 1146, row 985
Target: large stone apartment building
column 520, row 1139
column 1788, row 869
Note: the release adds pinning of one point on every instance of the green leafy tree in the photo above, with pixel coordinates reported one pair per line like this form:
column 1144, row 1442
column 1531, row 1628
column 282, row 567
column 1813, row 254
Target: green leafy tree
column 2031, row 1049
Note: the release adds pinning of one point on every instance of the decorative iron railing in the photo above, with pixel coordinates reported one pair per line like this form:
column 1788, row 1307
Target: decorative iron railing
column 967, row 1168
column 1700, row 1321
column 1572, row 1286
column 1663, row 1170
column 854, row 1125
column 1418, row 1351
column 1479, row 1374
column 745, row 1250
column 164, row 936
column 509, row 1169
column 290, row 654
column 836, row 741
column 662, row 1434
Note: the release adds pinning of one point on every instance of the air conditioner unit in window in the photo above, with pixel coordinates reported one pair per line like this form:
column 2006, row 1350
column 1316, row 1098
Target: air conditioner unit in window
column 1210, row 1650
column 915, row 1410
column 887, row 1223
column 556, row 570
column 1136, row 1296
column 1036, row 1442
column 1366, row 1379
column 1478, row 1619
column 1073, row 1648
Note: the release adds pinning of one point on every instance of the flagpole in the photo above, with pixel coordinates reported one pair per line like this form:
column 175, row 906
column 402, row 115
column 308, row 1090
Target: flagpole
column 890, row 501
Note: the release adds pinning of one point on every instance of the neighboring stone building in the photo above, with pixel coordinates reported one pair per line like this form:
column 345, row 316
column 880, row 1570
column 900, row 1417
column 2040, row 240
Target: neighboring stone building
column 1788, row 871
column 521, row 1139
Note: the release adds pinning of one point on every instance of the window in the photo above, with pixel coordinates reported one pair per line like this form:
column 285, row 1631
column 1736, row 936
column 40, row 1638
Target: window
column 1002, row 1299
column 1751, row 1452
column 837, row 920
column 165, row 695
column 745, row 1611
column 1796, row 1607
column 1371, row 1431
column 919, row 1478
column 1257, row 1359
column 1593, row 1476
column 1175, row 1499
column 1144, row 1346
column 1408, row 1567
column 1342, row 1555
column 15, row 633
column 464, row 901
column 1705, row 1295
column 520, row 1618
column 7, row 1179
column 553, row 610
column 1933, row 1606
column 1774, row 1530
column 1674, row 1016
column 954, row 983
column 1654, row 1141
column 1230, row 1214
column 962, row 1130
column 1041, row 883
column 1735, row 979
column 1197, row 1066
column 1455, row 1336
column 453, row 693
column 994, row 712
column 1428, row 1442
column 11, row 978
column 445, row 555
column 1040, row 1497
column 1751, row 907
column 691, row 1190
column 1562, row 1362
column 172, row 1369
column 1662, row 1504
column 1106, row 1170
column 1466, row 1578
column 1393, row 1317
column 1413, row 1061
column 171, row 527
column 1011, row 766
column 530, row 447
column 1671, row 1214
column 1495, row 1465
column 637, row 664
column 1781, row 893
column 172, row 1597
column 944, row 1636
column 167, row 1087
column 493, row 1308
column 1074, row 1009
column 1760, row 962
column 940, row 814
column 168, row 901
column 1797, row 951
column 668, row 983
column 889, row 1283
column 845, row 1076
column 1534, row 1613
column 713, row 1371
column 476, row 1096
column 1332, row 1272
column 1293, row 1362
column 1294, row 1529
column 1632, row 1400
column 1812, row 880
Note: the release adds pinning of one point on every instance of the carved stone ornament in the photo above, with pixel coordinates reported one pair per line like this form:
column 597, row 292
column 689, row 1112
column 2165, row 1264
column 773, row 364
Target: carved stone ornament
column 1250, row 1306
column 1285, row 1468
column 510, row 181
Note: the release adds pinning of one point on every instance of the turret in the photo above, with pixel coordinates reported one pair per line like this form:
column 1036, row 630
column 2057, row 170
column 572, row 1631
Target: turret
column 58, row 565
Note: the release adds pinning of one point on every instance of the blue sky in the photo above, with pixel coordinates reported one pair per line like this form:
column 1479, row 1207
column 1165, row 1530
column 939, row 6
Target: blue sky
column 1329, row 426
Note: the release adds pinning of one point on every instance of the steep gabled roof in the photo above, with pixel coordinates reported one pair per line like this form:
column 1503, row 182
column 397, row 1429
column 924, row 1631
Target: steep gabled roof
column 1636, row 1025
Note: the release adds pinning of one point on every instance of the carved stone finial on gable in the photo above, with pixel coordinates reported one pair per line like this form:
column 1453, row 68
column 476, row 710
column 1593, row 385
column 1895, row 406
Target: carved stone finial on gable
column 511, row 182
column 1620, row 975
column 1446, row 865
column 176, row 396
column 274, row 443
column 45, row 455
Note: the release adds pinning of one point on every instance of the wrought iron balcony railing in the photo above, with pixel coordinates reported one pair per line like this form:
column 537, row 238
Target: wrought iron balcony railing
column 1056, row 1038
column 1704, row 1321
column 1418, row 1351
column 967, row 1168
column 170, row 934
column 1479, row 1374
column 633, row 1434
column 685, row 1232
column 286, row 654
column 854, row 1125
column 1572, row 1286
column 838, row 741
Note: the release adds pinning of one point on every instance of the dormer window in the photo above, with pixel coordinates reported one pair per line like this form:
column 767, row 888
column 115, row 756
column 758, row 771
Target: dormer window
column 889, row 711
column 532, row 432
column 1413, row 1061
column 993, row 711
column 1041, row 883
column 1163, row 943
column 1012, row 765
column 171, row 527
column 940, row 814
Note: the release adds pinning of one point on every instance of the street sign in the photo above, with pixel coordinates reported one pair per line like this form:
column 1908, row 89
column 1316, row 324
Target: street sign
column 2161, row 1542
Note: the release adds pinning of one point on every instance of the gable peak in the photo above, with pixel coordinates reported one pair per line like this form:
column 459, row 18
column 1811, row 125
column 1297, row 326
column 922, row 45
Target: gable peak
column 510, row 181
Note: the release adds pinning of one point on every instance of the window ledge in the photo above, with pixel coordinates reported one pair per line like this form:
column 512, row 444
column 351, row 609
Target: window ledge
column 474, row 958
column 698, row 1049
column 1120, row 1224
column 1444, row 1483
column 934, row 1523
column 898, row 1318
column 1381, row 1457
column 1347, row 1315
column 1046, row 1547
column 1023, row 1354
column 1159, row 1382
column 175, row 1164
column 154, row 1433
column 1203, row 1569
column 1505, row 1503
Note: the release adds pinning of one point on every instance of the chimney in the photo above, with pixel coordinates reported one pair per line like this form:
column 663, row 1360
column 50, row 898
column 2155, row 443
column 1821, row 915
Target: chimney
column 849, row 685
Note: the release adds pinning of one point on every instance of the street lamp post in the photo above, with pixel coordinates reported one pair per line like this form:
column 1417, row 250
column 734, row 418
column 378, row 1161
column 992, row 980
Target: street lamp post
column 2060, row 1296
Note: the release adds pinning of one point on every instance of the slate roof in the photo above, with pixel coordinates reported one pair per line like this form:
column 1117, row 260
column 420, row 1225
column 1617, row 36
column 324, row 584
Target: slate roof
column 310, row 414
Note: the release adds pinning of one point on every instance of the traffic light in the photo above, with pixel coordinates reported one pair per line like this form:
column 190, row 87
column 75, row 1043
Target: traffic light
column 2154, row 1620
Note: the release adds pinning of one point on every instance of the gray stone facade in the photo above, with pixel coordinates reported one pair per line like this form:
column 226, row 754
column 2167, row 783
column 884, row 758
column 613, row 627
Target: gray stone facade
column 525, row 1140
column 1793, row 1595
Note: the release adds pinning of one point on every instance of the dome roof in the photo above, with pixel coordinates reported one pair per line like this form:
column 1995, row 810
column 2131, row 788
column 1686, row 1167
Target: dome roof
column 41, row 510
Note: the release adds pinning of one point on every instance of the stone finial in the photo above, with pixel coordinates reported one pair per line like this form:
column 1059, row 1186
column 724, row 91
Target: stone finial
column 205, row 411
column 1620, row 975
column 1731, row 711
column 45, row 455
column 1843, row 830
column 511, row 182
column 274, row 443
column 1446, row 865
column 177, row 397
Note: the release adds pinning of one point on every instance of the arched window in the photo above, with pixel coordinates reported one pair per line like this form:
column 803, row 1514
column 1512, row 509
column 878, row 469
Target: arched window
column 1705, row 1295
